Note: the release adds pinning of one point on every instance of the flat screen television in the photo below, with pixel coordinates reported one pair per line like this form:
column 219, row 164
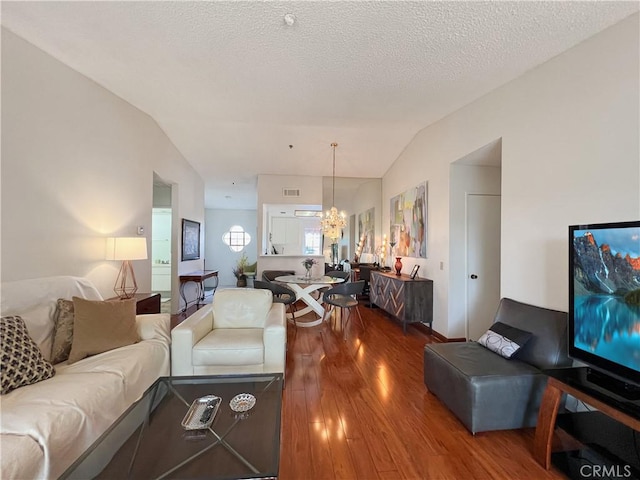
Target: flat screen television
column 604, row 303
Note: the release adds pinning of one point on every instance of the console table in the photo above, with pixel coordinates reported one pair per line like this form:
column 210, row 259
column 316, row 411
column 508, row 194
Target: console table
column 199, row 276
column 605, row 426
column 409, row 300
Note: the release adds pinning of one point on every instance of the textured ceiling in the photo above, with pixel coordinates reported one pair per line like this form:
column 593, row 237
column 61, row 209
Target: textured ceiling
column 233, row 86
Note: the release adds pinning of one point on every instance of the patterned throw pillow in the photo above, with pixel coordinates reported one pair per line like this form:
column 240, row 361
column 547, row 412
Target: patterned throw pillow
column 63, row 331
column 22, row 362
column 504, row 339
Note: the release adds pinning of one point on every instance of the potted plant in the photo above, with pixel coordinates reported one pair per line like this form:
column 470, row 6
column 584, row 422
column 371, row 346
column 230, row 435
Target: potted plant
column 239, row 269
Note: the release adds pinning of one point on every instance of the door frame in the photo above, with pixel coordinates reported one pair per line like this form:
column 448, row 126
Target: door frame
column 175, row 237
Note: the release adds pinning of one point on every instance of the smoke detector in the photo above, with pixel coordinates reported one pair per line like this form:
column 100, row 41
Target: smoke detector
column 289, row 19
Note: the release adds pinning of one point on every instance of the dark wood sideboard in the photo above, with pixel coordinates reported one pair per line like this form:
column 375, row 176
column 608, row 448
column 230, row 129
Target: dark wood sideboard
column 146, row 303
column 409, row 300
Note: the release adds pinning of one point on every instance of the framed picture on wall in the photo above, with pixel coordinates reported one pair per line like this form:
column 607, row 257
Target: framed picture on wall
column 414, row 271
column 408, row 215
column 190, row 240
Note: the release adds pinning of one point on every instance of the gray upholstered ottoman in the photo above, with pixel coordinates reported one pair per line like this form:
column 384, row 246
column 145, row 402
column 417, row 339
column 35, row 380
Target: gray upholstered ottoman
column 489, row 392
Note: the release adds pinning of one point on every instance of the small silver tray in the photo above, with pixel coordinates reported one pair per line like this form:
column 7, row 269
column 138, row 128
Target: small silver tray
column 200, row 406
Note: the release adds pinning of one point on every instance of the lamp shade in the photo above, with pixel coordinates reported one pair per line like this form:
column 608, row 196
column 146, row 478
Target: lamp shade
column 126, row 248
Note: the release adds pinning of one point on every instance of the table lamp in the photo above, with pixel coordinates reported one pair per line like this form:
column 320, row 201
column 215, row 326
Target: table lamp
column 126, row 249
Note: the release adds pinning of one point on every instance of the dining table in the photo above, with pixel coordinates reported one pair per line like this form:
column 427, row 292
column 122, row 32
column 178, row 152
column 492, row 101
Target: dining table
column 303, row 287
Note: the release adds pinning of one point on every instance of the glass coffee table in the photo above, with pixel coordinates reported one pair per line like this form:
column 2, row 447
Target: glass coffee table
column 149, row 442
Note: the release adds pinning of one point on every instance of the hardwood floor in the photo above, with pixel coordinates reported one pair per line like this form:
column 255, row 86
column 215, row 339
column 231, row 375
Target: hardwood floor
column 355, row 407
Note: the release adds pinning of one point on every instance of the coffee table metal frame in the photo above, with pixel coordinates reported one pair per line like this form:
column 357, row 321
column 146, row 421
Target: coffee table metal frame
column 141, row 412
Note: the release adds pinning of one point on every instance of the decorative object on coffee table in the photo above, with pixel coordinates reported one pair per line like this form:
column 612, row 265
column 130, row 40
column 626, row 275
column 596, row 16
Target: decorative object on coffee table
column 398, row 265
column 201, row 413
column 242, row 402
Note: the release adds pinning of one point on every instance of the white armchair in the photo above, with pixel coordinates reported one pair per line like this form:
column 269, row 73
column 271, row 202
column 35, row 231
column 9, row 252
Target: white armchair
column 242, row 331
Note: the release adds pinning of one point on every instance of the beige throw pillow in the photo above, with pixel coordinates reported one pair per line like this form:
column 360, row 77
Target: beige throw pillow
column 100, row 326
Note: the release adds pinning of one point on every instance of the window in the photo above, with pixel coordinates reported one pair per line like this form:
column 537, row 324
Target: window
column 236, row 238
column 312, row 241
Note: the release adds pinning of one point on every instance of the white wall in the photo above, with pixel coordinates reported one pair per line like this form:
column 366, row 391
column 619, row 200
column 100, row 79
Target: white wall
column 270, row 189
column 570, row 154
column 77, row 166
column 218, row 255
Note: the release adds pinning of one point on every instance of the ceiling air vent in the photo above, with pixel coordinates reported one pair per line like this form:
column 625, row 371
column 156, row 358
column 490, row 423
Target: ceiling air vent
column 291, row 192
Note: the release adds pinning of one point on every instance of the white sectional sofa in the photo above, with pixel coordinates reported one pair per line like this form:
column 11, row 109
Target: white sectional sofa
column 46, row 426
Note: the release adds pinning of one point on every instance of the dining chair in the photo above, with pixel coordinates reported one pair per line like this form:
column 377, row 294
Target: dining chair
column 365, row 274
column 339, row 274
column 281, row 294
column 346, row 276
column 271, row 275
column 344, row 296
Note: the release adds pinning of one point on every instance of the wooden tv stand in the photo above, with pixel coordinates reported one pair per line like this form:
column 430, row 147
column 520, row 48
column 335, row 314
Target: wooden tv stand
column 573, row 382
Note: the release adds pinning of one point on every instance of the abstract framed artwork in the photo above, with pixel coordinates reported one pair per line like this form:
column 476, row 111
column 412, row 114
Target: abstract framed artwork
column 408, row 235
column 190, row 240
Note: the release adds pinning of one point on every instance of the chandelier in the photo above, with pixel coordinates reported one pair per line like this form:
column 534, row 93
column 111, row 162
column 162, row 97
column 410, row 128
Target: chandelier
column 333, row 222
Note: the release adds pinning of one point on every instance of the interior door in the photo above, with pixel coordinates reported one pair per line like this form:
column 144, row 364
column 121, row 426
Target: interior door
column 483, row 262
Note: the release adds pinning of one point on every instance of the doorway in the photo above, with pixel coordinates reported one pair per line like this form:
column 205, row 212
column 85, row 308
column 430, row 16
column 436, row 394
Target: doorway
column 161, row 251
column 477, row 174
